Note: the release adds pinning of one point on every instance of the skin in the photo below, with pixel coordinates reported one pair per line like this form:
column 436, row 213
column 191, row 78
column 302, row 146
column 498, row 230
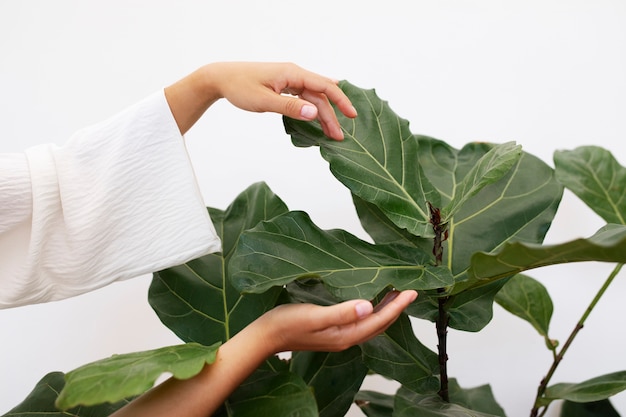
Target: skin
column 295, row 92
column 290, row 327
column 259, row 87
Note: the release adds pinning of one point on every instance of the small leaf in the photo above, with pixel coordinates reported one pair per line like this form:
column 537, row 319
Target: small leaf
column 291, row 247
column 399, row 355
column 471, row 310
column 377, row 160
column 606, row 245
column 122, row 376
column 595, row 176
column 595, row 389
column 528, row 299
column 490, row 168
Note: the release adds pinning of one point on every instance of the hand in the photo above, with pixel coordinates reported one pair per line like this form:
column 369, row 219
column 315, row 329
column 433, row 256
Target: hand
column 260, row 87
column 293, row 327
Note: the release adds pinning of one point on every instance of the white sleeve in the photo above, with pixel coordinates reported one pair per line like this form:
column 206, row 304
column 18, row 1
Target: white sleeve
column 118, row 200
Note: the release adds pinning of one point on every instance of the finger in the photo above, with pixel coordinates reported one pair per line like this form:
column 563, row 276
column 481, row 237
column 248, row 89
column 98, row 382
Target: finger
column 326, row 115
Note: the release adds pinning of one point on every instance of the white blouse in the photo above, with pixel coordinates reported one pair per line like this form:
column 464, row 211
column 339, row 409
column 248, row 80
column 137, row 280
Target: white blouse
column 118, row 200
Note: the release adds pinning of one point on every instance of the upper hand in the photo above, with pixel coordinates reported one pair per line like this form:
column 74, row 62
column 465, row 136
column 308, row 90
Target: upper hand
column 261, row 87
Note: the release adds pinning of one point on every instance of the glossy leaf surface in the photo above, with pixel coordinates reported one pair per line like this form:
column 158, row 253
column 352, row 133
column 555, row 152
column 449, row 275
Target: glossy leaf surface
column 595, row 176
column 528, row 299
column 376, row 160
column 606, row 245
column 41, row 402
column 196, row 300
column 122, row 376
column 291, row 247
column 594, row 389
column 410, row 404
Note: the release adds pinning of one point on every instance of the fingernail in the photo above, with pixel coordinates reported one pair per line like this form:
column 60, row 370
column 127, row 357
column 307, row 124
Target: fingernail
column 363, row 309
column 308, row 112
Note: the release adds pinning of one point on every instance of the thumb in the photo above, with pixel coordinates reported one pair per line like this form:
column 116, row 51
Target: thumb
column 290, row 106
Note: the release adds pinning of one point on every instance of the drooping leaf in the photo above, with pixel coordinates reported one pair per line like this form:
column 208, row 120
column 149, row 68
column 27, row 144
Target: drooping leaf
column 607, row 245
column 41, row 402
column 594, row 389
column 375, row 404
column 602, row 408
column 399, row 355
column 478, row 399
column 410, row 404
column 528, row 299
column 291, row 247
column 376, row 160
column 334, row 376
column 121, row 376
column 490, row 168
column 196, row 300
column 595, row 176
column 282, row 394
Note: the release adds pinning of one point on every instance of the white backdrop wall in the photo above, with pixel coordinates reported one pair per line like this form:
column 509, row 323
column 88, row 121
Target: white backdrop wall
column 549, row 74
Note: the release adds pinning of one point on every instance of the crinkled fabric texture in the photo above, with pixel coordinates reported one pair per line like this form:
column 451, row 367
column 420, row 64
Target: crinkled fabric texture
column 118, row 200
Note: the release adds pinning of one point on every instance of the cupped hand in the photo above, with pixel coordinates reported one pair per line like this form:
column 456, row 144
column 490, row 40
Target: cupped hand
column 293, row 327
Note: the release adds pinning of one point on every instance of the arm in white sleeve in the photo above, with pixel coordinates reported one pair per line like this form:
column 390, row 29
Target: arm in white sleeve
column 118, row 200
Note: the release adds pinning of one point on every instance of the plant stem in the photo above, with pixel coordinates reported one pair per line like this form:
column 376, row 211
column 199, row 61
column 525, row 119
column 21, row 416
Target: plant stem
column 559, row 357
column 442, row 346
column 443, row 317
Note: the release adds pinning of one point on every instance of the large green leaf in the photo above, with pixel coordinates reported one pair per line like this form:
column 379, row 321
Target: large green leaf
column 376, row 160
column 41, row 402
column 291, row 247
column 528, row 299
column 121, row 376
column 606, row 245
column 595, row 176
column 410, row 404
column 196, row 300
column 399, row 355
column 594, row 389
column 334, row 376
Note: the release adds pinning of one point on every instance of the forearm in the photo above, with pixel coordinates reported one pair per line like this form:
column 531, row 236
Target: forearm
column 203, row 394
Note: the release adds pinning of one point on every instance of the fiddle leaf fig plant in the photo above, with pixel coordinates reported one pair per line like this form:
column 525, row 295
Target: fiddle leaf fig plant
column 464, row 227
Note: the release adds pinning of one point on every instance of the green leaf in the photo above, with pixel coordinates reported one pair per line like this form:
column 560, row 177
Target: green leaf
column 41, row 402
column 471, row 310
column 606, row 245
column 291, row 247
column 273, row 394
column 196, row 300
column 375, row 404
column 594, row 389
column 335, row 377
column 399, row 355
column 602, row 408
column 490, row 168
column 528, row 299
column 122, row 376
column 376, row 160
column 478, row 399
column 410, row 404
column 595, row 176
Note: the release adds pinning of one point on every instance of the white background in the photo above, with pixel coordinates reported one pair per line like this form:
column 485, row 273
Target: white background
column 547, row 74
